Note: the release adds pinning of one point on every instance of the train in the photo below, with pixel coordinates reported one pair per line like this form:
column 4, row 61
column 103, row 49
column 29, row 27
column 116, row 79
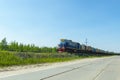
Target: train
column 75, row 47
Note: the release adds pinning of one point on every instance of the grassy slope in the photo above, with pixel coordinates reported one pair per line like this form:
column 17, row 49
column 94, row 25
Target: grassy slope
column 18, row 58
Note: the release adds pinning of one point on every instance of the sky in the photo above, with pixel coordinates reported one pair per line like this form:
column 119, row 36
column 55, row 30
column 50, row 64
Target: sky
column 45, row 22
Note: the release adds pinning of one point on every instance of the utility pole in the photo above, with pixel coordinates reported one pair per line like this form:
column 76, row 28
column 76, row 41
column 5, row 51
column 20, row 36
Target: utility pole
column 86, row 41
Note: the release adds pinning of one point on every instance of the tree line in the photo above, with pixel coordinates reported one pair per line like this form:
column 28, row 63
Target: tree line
column 20, row 47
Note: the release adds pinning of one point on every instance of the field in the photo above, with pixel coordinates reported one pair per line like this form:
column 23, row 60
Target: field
column 8, row 58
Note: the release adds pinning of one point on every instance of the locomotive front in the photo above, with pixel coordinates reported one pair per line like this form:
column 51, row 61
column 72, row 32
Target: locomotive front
column 62, row 46
column 68, row 46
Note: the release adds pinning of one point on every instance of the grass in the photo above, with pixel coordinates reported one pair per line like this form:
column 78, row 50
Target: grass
column 26, row 58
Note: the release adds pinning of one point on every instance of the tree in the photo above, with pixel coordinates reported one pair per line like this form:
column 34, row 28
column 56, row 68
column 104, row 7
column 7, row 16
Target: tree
column 13, row 46
column 3, row 44
column 20, row 47
column 54, row 50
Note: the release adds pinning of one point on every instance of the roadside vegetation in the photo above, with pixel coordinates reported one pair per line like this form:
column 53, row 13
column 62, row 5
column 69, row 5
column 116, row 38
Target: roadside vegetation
column 20, row 47
column 15, row 53
column 27, row 58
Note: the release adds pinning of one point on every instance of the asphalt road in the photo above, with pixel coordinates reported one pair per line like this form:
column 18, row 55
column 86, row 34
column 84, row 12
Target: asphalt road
column 99, row 69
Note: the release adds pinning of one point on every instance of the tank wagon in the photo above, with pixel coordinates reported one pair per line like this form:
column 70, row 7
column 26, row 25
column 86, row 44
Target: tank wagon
column 75, row 47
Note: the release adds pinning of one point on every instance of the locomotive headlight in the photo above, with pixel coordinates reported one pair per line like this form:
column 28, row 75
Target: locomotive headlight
column 63, row 47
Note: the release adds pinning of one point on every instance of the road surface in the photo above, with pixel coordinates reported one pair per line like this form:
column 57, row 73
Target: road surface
column 99, row 69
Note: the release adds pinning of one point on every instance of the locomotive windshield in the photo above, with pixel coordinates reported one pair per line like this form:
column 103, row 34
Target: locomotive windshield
column 62, row 44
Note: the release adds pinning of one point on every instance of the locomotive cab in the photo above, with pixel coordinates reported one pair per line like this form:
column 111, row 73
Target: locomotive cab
column 68, row 46
column 62, row 46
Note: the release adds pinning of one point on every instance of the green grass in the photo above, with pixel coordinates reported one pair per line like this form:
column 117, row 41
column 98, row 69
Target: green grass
column 26, row 58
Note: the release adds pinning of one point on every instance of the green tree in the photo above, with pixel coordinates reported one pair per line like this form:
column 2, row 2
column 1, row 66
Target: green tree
column 3, row 44
column 13, row 46
column 21, row 46
column 54, row 50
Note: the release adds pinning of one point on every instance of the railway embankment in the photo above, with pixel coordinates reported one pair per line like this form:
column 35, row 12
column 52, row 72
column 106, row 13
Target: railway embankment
column 8, row 59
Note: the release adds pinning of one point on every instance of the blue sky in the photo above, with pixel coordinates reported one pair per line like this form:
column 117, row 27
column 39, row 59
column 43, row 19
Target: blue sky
column 45, row 22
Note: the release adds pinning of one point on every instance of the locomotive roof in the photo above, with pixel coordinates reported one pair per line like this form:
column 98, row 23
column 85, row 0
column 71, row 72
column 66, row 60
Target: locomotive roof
column 68, row 41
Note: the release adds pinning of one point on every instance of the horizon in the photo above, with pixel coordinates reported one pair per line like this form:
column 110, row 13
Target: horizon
column 45, row 22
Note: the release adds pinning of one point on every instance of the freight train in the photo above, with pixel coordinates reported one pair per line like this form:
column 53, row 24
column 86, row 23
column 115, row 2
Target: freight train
column 75, row 47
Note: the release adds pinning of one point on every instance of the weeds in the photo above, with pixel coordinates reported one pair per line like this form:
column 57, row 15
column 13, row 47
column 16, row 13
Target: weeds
column 26, row 58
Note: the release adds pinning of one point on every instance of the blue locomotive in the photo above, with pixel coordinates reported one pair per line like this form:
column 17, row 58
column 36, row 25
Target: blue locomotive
column 75, row 47
column 68, row 46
